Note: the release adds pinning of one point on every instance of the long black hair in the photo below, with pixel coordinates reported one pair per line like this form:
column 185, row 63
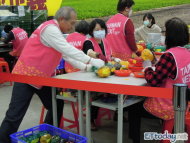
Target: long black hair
column 177, row 33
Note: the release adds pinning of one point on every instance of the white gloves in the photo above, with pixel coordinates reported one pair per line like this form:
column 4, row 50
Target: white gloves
column 97, row 63
column 147, row 64
column 88, row 68
column 92, row 54
column 117, row 60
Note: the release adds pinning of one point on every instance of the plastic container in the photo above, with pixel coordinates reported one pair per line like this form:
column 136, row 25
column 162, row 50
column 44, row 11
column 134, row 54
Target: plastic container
column 135, row 69
column 122, row 72
column 149, row 46
column 154, row 38
column 50, row 129
column 139, row 74
column 159, row 48
column 138, row 64
column 158, row 53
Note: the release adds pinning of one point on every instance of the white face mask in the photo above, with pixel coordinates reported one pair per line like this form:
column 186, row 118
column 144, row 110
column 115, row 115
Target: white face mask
column 130, row 13
column 88, row 36
column 100, row 34
column 146, row 23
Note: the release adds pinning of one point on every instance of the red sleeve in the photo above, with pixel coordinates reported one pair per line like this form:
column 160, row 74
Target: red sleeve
column 130, row 38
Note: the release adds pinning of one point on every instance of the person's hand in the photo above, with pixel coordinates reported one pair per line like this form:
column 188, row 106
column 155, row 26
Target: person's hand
column 155, row 59
column 146, row 64
column 102, row 57
column 138, row 53
column 97, row 62
column 117, row 60
column 92, row 54
column 88, row 68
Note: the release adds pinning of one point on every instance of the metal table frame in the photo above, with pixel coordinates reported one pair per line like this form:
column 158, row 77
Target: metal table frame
column 81, row 76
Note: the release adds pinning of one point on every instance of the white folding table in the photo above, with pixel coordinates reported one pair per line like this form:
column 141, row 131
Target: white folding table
column 91, row 77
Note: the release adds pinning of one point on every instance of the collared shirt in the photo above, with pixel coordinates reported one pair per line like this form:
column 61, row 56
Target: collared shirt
column 165, row 68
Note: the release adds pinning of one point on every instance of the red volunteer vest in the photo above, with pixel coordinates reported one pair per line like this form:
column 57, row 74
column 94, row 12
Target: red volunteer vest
column 20, row 39
column 77, row 40
column 107, row 48
column 163, row 108
column 117, row 38
column 36, row 58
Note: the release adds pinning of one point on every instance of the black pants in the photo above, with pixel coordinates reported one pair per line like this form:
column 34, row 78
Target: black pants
column 94, row 113
column 20, row 100
column 135, row 112
column 10, row 60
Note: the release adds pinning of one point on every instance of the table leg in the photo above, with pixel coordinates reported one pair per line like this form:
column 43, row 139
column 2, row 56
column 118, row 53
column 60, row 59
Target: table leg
column 88, row 125
column 54, row 107
column 120, row 119
column 80, row 103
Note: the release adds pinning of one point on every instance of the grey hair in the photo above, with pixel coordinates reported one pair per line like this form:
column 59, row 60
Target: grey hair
column 64, row 12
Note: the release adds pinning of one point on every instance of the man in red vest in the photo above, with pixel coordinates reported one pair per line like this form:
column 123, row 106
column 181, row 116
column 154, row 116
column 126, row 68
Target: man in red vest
column 40, row 57
column 121, row 31
column 18, row 37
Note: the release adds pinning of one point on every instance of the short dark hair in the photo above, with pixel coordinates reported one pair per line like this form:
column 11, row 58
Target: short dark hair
column 8, row 28
column 177, row 33
column 93, row 25
column 122, row 4
column 50, row 17
column 150, row 17
column 82, row 27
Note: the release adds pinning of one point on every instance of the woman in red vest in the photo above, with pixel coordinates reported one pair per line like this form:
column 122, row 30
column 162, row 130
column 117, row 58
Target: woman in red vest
column 172, row 67
column 40, row 57
column 97, row 47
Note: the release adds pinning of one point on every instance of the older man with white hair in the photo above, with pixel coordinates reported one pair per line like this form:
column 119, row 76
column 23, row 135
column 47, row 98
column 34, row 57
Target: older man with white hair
column 42, row 53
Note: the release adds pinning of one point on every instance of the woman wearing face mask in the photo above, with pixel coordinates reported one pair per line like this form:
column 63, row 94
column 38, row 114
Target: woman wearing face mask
column 97, row 46
column 149, row 26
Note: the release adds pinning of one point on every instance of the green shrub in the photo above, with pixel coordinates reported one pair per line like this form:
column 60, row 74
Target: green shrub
column 99, row 8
